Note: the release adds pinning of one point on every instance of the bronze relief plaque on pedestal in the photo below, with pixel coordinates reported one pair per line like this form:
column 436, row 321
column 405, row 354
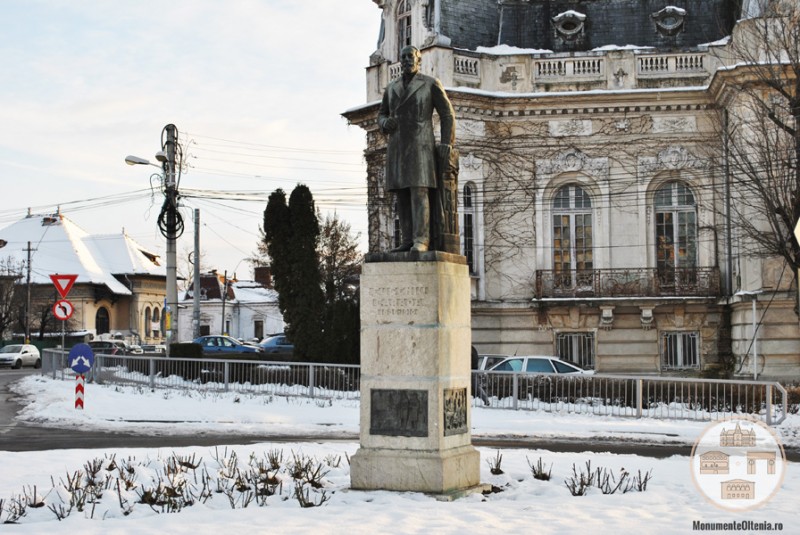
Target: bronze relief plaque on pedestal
column 399, row 413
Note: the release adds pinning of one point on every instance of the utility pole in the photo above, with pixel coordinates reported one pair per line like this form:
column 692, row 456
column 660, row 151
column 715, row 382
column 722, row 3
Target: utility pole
column 224, row 296
column 196, row 290
column 171, row 193
column 28, row 300
column 170, row 222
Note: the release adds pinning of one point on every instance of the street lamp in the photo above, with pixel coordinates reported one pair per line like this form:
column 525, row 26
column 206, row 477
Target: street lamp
column 169, row 220
column 135, row 160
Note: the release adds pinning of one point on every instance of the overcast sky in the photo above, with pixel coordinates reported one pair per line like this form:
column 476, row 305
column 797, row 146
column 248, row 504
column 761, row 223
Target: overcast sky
column 255, row 87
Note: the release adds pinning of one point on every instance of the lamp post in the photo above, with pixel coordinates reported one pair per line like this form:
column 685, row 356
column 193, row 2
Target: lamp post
column 169, row 220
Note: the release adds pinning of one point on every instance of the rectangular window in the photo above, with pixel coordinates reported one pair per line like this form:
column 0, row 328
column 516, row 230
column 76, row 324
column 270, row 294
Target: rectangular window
column 680, row 350
column 577, row 348
column 258, row 329
column 205, row 330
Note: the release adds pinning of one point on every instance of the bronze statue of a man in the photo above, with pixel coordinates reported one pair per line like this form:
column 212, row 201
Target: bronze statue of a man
column 406, row 115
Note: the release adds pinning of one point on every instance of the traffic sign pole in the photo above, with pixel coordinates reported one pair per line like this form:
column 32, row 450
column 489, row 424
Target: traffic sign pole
column 81, row 359
column 80, row 381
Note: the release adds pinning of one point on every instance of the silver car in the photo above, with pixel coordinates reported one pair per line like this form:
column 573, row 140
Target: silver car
column 19, row 355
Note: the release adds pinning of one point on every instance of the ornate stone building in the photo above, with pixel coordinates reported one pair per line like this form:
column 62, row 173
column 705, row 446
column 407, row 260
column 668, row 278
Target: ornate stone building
column 592, row 180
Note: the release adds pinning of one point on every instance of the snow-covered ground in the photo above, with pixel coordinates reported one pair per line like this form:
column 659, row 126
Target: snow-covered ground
column 670, row 504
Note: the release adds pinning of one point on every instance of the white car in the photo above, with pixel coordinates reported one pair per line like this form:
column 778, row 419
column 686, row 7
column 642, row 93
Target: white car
column 19, row 355
column 538, row 364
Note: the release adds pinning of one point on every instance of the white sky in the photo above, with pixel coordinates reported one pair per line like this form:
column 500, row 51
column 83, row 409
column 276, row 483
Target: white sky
column 256, row 89
column 670, row 505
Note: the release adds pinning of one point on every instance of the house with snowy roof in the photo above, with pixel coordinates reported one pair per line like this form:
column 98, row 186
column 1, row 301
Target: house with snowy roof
column 119, row 289
column 594, row 216
column 243, row 309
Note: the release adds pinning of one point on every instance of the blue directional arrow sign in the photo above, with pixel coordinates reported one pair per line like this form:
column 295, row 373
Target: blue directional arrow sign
column 81, row 358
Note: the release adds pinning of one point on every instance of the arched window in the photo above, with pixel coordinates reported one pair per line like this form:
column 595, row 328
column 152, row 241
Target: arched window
column 676, row 233
column 156, row 323
column 573, row 259
column 468, row 226
column 147, row 322
column 102, row 322
column 403, row 25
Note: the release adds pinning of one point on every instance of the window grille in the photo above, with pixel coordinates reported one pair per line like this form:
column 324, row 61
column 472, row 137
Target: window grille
column 680, row 350
column 577, row 348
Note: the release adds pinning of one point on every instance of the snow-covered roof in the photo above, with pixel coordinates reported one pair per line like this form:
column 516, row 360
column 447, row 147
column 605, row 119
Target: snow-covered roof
column 570, row 13
column 61, row 246
column 253, row 292
column 241, row 291
column 507, row 50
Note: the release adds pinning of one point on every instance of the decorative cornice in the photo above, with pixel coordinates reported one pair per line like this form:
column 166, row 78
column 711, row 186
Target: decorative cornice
column 673, row 158
column 573, row 160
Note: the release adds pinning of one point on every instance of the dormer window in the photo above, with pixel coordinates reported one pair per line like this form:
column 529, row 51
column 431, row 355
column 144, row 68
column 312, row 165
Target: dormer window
column 669, row 21
column 569, row 24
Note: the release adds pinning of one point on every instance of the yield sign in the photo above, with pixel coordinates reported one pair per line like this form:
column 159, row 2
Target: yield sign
column 63, row 283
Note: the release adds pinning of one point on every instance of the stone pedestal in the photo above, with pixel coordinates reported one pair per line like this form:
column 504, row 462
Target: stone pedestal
column 415, row 375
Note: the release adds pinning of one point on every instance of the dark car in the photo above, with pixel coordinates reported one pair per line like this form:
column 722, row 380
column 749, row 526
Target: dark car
column 277, row 345
column 224, row 344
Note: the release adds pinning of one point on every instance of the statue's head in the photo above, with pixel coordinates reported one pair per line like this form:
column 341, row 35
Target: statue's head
column 410, row 58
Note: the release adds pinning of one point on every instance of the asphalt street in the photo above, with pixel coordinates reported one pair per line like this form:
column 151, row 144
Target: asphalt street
column 18, row 436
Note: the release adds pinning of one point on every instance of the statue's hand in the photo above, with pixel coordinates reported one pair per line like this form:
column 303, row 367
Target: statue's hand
column 444, row 152
column 389, row 125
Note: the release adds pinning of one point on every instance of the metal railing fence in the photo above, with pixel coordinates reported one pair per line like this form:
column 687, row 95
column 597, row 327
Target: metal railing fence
column 633, row 396
column 607, row 395
column 223, row 375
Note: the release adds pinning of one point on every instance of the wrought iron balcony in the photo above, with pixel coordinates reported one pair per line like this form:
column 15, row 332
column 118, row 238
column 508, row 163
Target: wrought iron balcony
column 635, row 282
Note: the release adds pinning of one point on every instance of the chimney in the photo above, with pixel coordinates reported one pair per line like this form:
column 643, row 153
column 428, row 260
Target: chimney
column 263, row 276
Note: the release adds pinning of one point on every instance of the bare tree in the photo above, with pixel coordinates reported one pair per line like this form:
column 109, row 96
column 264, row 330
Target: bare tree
column 340, row 261
column 10, row 273
column 761, row 130
column 186, row 268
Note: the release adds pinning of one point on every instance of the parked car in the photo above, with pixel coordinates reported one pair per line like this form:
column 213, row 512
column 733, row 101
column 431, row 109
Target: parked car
column 19, row 355
column 224, row 344
column 486, row 362
column 109, row 347
column 537, row 364
column 135, row 349
column 277, row 345
column 538, row 380
column 158, row 349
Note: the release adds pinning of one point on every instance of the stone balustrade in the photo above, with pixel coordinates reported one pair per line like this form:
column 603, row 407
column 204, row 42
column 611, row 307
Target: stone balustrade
column 597, row 70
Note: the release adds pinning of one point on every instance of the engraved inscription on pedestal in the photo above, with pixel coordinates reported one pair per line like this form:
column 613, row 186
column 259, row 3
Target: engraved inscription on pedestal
column 398, row 303
column 399, row 413
column 455, row 411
